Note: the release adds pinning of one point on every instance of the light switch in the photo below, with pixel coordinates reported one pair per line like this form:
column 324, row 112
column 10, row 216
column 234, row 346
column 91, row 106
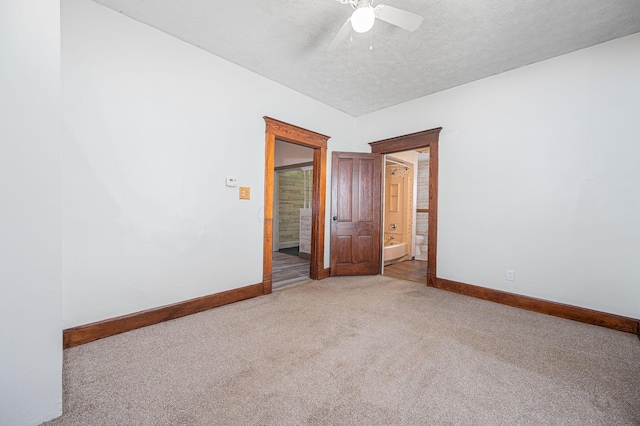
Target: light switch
column 245, row 193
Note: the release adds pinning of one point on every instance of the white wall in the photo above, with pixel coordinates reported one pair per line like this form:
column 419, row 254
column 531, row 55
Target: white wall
column 539, row 173
column 30, row 254
column 151, row 127
column 287, row 153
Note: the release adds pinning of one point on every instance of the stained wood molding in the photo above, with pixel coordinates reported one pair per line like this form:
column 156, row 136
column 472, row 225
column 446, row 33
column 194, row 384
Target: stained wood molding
column 280, row 130
column 325, row 273
column 87, row 333
column 575, row 313
column 318, row 207
column 408, row 142
column 295, row 134
column 416, row 141
column 432, row 222
column 267, row 248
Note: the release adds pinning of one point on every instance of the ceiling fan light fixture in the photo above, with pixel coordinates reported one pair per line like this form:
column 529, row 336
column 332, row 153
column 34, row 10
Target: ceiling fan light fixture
column 362, row 19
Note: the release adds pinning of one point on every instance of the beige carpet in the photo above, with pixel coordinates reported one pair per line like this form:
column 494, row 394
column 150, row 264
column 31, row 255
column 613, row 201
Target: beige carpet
column 368, row 350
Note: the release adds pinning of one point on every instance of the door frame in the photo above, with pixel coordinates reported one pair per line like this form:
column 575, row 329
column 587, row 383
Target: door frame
column 276, row 129
column 427, row 138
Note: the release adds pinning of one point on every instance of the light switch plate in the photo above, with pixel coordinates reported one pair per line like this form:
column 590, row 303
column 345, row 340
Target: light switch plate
column 245, row 193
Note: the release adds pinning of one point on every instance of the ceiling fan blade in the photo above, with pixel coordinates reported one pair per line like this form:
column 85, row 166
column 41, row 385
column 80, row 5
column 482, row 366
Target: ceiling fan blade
column 398, row 17
column 342, row 34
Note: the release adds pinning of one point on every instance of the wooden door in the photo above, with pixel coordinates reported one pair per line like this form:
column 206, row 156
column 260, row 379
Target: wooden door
column 355, row 213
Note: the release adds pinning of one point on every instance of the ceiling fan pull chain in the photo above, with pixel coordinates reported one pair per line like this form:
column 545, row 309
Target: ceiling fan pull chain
column 350, row 48
column 371, row 43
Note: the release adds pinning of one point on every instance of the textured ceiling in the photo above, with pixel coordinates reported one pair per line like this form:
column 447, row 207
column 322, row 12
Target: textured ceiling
column 459, row 41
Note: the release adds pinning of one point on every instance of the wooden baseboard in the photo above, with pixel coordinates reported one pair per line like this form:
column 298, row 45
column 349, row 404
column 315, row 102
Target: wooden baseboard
column 324, row 273
column 87, row 333
column 575, row 313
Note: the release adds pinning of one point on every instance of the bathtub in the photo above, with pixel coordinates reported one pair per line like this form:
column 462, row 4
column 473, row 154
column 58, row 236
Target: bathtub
column 394, row 251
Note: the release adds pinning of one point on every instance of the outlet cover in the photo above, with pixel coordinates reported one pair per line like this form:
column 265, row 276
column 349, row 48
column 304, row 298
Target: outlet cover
column 510, row 275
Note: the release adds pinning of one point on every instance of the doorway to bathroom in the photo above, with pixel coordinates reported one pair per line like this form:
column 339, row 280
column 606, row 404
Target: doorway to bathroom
column 422, row 142
column 405, row 215
column 356, row 219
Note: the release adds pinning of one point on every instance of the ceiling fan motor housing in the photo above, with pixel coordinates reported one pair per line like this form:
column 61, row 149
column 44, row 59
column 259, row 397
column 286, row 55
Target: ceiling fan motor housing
column 363, row 18
column 365, row 15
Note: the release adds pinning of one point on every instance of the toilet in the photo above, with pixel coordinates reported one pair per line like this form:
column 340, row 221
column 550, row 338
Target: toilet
column 418, row 242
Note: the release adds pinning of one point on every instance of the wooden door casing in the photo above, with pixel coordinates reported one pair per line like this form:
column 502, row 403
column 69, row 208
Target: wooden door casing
column 427, row 138
column 318, row 142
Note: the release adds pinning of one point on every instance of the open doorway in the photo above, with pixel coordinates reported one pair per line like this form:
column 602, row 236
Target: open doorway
column 356, row 213
column 405, row 215
column 292, row 196
column 285, row 132
column 418, row 141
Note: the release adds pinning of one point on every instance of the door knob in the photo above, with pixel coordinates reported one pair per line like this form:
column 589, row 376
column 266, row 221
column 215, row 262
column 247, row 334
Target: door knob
column 335, row 218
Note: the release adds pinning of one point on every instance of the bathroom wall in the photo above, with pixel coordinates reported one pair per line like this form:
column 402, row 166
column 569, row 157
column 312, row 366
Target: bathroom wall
column 410, row 157
column 394, row 199
column 399, row 202
column 422, row 218
column 540, row 174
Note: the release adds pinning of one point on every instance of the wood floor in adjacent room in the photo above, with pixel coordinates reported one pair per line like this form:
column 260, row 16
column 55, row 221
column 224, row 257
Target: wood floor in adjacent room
column 288, row 270
column 409, row 270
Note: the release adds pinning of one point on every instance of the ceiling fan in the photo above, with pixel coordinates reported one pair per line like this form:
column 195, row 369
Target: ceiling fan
column 364, row 16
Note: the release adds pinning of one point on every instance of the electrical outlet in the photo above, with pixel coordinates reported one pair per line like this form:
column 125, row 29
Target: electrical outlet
column 510, row 275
